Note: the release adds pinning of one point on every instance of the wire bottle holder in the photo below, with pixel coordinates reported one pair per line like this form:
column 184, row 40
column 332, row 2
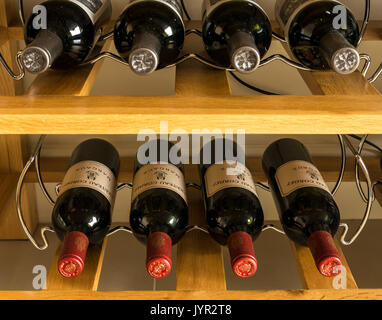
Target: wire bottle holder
column 35, row 158
column 199, row 58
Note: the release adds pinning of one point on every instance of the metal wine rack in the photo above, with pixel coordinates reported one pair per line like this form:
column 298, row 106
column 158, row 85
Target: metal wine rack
column 59, row 103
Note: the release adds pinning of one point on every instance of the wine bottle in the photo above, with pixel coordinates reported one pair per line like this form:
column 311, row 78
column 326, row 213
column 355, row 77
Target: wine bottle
column 315, row 36
column 159, row 211
column 82, row 212
column 307, row 210
column 233, row 211
column 73, row 28
column 236, row 33
column 149, row 34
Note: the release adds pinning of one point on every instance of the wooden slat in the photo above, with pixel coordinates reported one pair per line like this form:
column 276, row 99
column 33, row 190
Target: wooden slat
column 374, row 31
column 87, row 280
column 194, row 78
column 257, row 114
column 53, row 169
column 378, row 193
column 8, row 49
column 310, row 277
column 199, row 263
column 77, row 82
column 361, row 294
column 7, row 84
column 331, row 83
column 10, row 227
column 6, row 186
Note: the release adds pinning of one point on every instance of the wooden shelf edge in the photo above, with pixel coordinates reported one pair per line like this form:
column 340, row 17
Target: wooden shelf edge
column 355, row 294
column 129, row 115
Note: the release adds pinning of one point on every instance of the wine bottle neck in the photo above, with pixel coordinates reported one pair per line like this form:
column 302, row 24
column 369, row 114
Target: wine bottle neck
column 72, row 259
column 341, row 56
column 243, row 260
column 158, row 260
column 39, row 56
column 144, row 57
column 245, row 56
column 325, row 253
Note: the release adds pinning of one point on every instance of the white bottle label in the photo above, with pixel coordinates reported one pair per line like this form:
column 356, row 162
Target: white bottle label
column 152, row 176
column 286, row 8
column 93, row 8
column 174, row 4
column 216, row 178
column 92, row 5
column 298, row 174
column 93, row 175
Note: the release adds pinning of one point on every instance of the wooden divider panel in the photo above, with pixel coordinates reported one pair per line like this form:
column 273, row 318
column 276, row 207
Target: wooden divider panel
column 199, row 257
column 310, row 276
column 77, row 82
column 12, row 159
column 194, row 78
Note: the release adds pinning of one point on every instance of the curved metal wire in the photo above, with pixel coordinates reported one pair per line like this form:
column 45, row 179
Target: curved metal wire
column 278, row 37
column 106, row 36
column 124, row 185
column 119, row 228
column 361, row 163
column 39, row 178
column 271, row 227
column 356, row 169
column 343, row 165
column 196, row 227
column 194, row 185
column 21, row 12
column 375, row 76
column 263, row 186
column 20, row 183
column 19, row 66
column 284, row 59
column 366, row 67
column 193, row 31
column 365, row 21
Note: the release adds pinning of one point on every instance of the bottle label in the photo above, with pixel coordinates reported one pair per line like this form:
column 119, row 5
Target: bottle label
column 92, row 5
column 93, row 8
column 298, row 174
column 93, row 175
column 286, row 8
column 216, row 178
column 209, row 5
column 152, row 176
column 174, row 4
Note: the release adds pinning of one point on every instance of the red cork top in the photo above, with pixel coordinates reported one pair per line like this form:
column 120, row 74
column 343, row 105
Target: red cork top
column 158, row 262
column 325, row 253
column 243, row 260
column 72, row 259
